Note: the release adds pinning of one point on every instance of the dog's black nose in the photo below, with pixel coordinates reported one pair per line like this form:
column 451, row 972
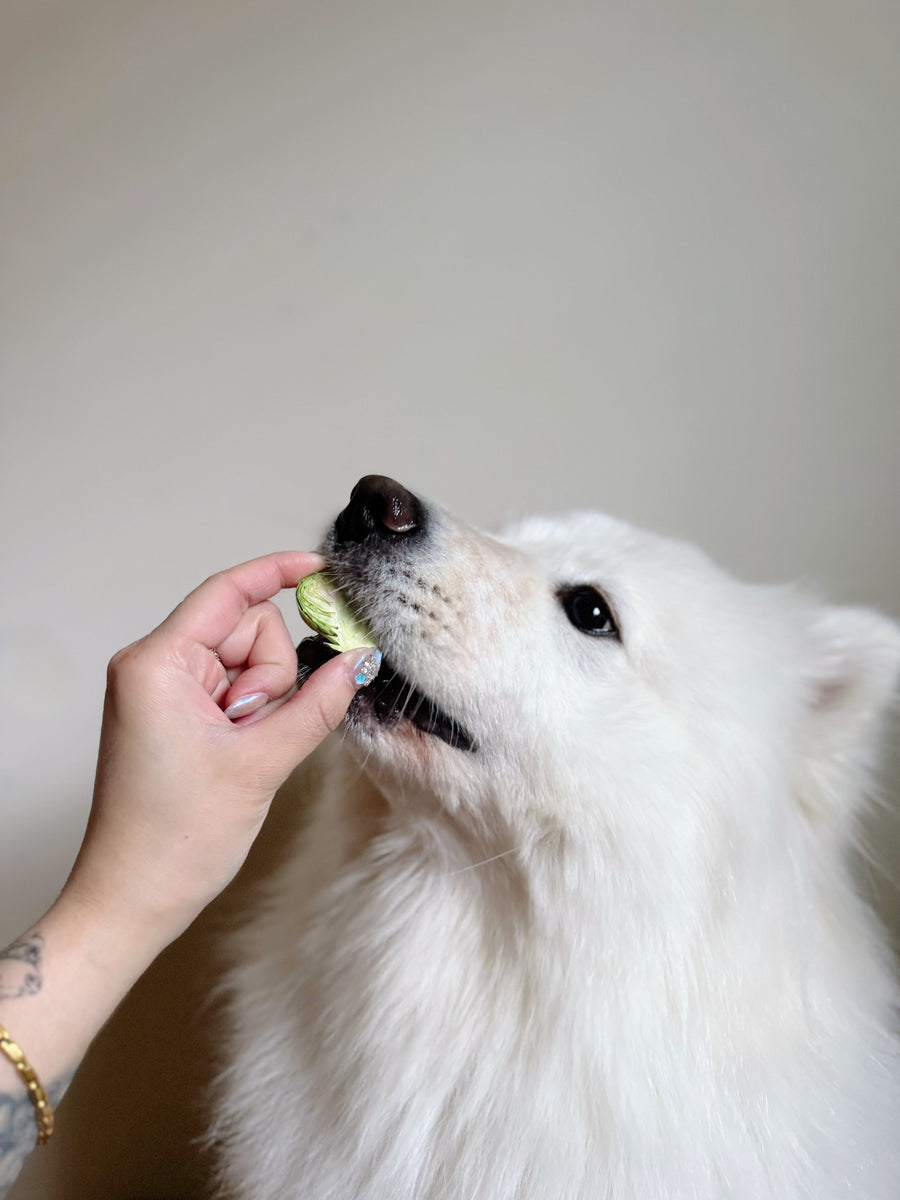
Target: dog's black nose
column 379, row 506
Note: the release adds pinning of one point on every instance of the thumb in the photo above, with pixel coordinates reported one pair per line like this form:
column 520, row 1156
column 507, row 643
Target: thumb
column 294, row 729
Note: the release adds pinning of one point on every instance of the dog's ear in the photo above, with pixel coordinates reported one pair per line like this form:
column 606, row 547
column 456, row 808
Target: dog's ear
column 853, row 667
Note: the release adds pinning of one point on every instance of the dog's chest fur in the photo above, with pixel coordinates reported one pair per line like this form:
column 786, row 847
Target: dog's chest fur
column 441, row 1032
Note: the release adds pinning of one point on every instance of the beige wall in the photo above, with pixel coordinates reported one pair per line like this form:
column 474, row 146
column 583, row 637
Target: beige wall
column 641, row 256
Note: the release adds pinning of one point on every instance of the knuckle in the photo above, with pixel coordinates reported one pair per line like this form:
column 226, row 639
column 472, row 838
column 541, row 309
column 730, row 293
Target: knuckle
column 119, row 662
column 322, row 715
column 270, row 619
column 312, row 724
column 125, row 662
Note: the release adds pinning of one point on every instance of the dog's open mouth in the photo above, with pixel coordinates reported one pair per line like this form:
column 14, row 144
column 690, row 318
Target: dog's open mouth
column 389, row 700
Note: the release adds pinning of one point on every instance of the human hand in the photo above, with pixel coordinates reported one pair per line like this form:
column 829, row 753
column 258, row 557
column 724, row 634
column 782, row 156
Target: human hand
column 201, row 725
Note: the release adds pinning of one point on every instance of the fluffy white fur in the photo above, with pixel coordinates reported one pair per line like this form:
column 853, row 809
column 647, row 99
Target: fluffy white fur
column 616, row 951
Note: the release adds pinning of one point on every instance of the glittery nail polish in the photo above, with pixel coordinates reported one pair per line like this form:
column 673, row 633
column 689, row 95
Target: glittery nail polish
column 366, row 667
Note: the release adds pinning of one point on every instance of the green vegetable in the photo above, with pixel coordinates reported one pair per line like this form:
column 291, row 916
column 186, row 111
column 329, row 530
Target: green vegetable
column 324, row 609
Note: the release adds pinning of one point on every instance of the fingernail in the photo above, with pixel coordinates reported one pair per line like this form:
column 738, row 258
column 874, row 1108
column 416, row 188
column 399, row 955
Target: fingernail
column 246, row 705
column 366, row 668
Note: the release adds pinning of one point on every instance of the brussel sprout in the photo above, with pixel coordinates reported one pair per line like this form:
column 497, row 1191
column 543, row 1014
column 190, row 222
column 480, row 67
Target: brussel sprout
column 324, row 609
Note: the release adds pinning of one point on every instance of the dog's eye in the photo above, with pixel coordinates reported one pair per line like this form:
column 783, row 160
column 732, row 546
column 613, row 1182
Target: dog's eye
column 588, row 611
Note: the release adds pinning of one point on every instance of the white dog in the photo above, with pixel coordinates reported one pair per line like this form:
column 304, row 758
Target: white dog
column 573, row 916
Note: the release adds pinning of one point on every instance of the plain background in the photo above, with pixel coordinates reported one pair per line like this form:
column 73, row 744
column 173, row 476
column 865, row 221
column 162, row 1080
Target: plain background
column 641, row 256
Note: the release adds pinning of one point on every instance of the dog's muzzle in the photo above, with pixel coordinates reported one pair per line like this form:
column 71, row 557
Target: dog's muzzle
column 380, row 515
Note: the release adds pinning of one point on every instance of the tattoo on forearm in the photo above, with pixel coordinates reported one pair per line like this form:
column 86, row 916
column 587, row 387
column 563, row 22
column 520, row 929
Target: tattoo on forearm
column 20, row 967
column 18, row 1132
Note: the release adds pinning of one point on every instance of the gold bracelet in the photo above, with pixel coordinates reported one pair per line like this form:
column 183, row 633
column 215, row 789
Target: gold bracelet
column 43, row 1113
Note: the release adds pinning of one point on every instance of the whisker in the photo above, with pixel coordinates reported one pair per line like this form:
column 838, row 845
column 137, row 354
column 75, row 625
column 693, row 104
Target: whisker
column 485, row 861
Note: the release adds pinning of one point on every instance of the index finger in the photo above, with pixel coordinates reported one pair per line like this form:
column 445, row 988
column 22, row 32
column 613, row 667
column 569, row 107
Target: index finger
column 212, row 611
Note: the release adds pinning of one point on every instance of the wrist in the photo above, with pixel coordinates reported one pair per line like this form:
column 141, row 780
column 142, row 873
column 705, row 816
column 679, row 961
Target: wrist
column 117, row 933
column 83, row 966
column 138, row 893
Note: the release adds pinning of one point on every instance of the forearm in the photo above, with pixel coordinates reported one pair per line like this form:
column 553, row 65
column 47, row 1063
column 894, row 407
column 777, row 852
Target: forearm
column 59, row 983
column 184, row 782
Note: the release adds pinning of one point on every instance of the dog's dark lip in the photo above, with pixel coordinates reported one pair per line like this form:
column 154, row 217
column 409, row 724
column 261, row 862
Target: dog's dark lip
column 388, row 700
